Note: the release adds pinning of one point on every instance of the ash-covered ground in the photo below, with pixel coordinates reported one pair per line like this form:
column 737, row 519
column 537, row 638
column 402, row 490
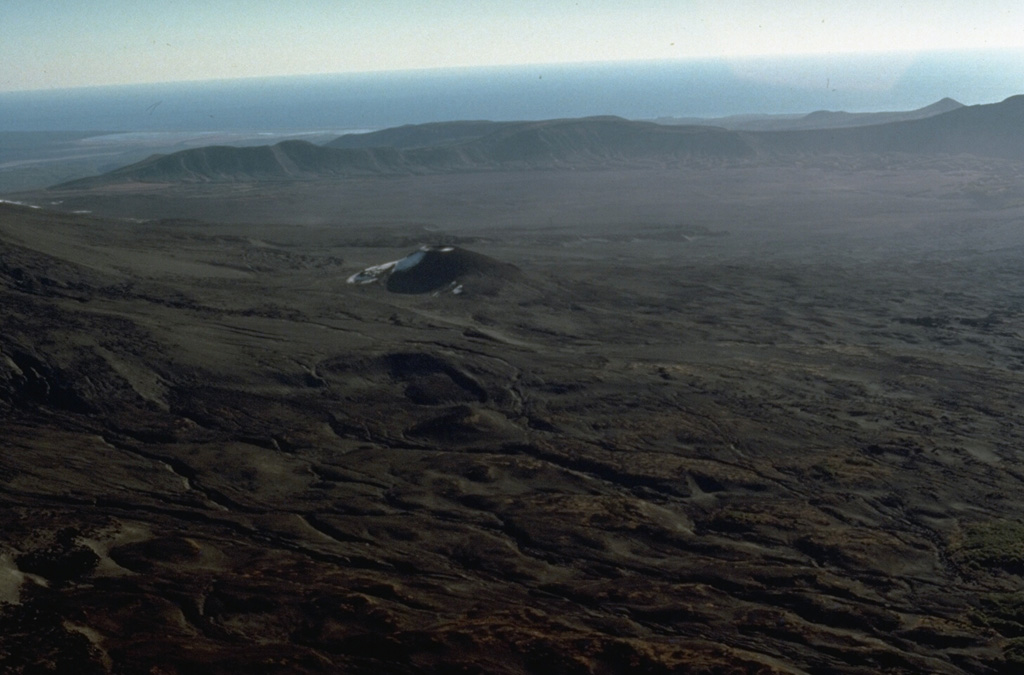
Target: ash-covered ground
column 721, row 420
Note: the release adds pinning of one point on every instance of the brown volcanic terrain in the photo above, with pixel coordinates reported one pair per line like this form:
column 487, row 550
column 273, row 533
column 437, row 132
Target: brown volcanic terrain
column 736, row 419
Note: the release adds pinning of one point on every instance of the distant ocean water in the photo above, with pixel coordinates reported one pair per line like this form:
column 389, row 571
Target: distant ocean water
column 635, row 90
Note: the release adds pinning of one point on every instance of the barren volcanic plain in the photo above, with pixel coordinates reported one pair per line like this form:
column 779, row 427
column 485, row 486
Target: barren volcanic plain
column 755, row 414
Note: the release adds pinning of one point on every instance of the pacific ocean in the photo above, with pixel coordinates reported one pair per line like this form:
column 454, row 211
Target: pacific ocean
column 635, row 90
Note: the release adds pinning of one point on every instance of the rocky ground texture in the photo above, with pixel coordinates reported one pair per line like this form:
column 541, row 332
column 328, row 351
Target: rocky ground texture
column 655, row 448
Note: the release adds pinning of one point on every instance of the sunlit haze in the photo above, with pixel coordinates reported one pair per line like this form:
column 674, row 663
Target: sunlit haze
column 100, row 42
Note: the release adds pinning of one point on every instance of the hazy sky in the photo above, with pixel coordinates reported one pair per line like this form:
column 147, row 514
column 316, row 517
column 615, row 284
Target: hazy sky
column 64, row 43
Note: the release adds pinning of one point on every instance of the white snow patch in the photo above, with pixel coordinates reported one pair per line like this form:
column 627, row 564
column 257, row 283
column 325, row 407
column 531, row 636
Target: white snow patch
column 11, row 201
column 376, row 272
column 11, row 579
column 373, row 273
column 410, row 261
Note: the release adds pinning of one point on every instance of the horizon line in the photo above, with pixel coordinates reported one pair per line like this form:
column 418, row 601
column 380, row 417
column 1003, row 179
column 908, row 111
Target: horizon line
column 524, row 65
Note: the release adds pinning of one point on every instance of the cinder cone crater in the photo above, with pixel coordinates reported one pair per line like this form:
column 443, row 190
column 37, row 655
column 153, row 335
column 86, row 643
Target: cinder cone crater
column 432, row 269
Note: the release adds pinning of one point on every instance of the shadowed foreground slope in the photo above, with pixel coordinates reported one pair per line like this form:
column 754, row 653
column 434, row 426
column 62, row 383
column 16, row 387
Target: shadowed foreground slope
column 655, row 450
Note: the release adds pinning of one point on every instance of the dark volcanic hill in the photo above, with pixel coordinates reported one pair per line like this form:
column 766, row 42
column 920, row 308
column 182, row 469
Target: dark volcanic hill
column 586, row 144
column 433, row 268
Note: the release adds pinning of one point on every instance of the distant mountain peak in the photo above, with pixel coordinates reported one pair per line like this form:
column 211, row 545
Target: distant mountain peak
column 943, row 105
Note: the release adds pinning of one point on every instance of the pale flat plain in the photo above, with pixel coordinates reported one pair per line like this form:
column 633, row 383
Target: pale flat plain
column 730, row 419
